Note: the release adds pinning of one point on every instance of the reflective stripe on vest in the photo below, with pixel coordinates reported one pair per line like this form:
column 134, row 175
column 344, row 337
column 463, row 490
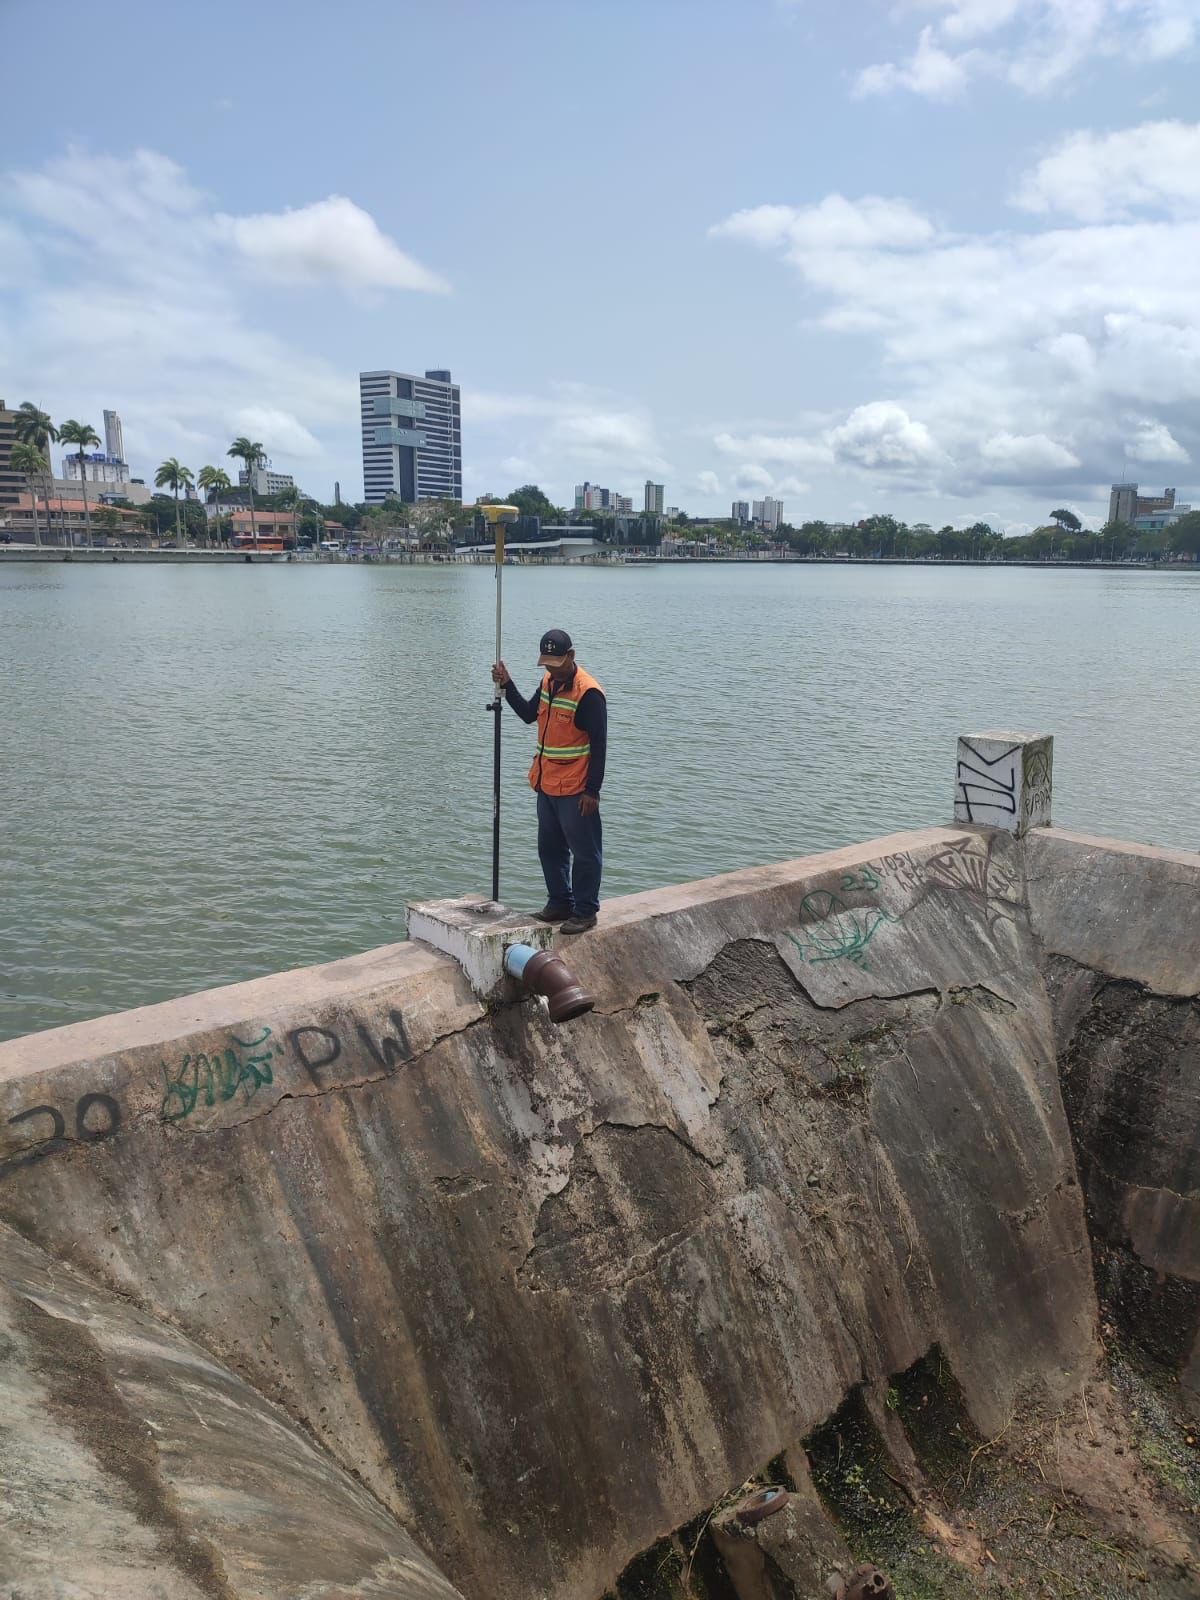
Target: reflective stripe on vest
column 560, row 761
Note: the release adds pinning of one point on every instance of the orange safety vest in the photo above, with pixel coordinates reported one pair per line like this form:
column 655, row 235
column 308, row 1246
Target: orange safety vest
column 560, row 763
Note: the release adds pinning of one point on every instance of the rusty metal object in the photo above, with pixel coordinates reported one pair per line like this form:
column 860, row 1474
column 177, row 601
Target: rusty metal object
column 764, row 1504
column 864, row 1583
column 544, row 973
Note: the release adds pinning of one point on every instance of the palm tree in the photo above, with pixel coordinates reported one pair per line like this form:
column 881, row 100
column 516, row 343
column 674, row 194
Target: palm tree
column 33, row 426
column 251, row 454
column 174, row 476
column 289, row 499
column 214, row 481
column 83, row 436
column 27, row 458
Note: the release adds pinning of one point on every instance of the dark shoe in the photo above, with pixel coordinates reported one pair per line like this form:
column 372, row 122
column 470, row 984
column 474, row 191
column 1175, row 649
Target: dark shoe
column 577, row 925
column 552, row 913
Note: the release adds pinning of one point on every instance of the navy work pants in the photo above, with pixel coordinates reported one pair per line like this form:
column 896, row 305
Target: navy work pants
column 569, row 848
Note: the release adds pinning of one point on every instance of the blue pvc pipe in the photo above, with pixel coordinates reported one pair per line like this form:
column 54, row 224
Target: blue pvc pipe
column 517, row 957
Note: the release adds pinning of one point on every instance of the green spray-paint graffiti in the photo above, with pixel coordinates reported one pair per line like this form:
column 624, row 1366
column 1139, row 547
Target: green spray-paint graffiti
column 210, row 1080
column 836, row 931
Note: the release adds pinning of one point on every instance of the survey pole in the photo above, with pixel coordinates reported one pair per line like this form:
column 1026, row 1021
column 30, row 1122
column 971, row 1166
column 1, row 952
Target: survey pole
column 497, row 518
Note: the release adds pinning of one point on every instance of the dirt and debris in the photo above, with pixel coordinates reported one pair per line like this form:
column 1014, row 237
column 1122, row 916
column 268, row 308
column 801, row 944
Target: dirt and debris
column 1099, row 1500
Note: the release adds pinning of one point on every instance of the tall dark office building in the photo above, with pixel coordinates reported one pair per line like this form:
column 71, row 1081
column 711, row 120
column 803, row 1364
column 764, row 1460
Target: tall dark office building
column 411, row 436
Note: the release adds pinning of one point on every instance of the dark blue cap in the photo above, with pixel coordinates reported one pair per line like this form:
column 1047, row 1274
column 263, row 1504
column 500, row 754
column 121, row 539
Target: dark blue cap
column 555, row 643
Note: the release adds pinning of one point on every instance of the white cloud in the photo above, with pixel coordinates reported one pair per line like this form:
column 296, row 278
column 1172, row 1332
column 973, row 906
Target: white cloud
column 331, row 241
column 578, row 421
column 97, row 197
column 708, row 484
column 1004, row 356
column 1095, row 177
column 1033, row 45
column 481, row 406
column 786, row 486
column 753, row 477
column 794, row 450
column 1153, row 441
column 972, row 19
column 1028, row 454
column 882, row 434
column 929, row 71
column 287, row 433
column 571, row 432
column 834, row 224
column 604, row 433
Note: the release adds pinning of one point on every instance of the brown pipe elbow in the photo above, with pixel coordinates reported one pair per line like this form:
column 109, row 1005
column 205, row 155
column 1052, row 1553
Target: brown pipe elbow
column 548, row 975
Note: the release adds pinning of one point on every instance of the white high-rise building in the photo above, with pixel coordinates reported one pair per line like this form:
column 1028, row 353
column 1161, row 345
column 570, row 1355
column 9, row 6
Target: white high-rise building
column 266, row 480
column 654, row 499
column 411, row 436
column 768, row 514
column 114, row 443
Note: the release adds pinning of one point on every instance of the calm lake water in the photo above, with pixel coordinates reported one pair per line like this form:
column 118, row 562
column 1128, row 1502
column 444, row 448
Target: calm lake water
column 207, row 774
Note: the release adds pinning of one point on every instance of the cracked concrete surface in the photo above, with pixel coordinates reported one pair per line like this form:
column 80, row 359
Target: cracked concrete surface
column 548, row 1293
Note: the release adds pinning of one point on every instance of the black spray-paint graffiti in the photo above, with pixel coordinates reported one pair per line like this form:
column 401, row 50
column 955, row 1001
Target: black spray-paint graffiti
column 837, row 932
column 208, row 1080
column 864, row 878
column 1036, row 781
column 318, row 1047
column 97, row 1116
column 991, row 790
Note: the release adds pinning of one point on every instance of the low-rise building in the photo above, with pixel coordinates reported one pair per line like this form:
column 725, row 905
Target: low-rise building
column 266, row 524
column 99, row 467
column 67, row 521
column 569, row 542
column 1160, row 521
column 131, row 491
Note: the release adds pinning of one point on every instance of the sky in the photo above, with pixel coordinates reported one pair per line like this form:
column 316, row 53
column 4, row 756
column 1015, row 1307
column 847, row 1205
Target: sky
column 939, row 258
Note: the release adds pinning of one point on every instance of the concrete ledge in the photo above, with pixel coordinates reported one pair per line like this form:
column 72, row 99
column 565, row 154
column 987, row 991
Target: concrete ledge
column 476, row 933
column 209, row 1009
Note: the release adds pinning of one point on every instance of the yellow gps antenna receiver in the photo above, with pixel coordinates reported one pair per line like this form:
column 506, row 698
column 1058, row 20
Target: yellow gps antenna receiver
column 497, row 518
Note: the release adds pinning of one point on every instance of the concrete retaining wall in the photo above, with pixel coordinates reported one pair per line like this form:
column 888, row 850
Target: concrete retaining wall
column 551, row 1292
column 134, row 1465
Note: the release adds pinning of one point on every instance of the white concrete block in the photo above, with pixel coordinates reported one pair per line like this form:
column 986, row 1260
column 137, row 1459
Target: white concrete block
column 476, row 932
column 1004, row 780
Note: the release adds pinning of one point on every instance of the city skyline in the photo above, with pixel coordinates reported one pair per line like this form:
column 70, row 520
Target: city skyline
column 386, row 400
column 970, row 301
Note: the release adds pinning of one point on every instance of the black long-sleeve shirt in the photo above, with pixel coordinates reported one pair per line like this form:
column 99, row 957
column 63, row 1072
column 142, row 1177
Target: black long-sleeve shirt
column 591, row 717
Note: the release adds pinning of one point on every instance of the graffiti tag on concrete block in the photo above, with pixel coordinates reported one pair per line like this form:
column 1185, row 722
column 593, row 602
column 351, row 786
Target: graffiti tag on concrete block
column 209, row 1079
column 837, row 932
column 96, row 1116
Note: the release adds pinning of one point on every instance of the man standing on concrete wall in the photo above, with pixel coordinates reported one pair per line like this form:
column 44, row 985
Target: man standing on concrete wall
column 571, row 713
